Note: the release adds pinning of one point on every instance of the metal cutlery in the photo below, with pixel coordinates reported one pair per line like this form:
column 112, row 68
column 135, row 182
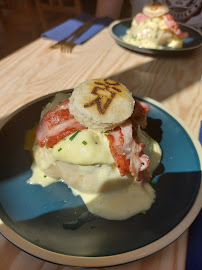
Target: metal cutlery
column 67, row 46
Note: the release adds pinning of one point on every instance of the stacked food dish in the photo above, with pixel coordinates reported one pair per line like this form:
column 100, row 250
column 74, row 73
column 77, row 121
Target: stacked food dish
column 94, row 141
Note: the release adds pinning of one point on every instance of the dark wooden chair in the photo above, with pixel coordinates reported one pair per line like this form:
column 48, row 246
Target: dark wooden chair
column 19, row 15
column 53, row 12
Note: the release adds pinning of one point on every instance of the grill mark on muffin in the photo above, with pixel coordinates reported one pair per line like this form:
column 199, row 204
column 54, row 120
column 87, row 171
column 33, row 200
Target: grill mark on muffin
column 106, row 86
column 99, row 83
column 110, row 83
column 156, row 5
column 118, row 90
column 97, row 101
column 95, row 89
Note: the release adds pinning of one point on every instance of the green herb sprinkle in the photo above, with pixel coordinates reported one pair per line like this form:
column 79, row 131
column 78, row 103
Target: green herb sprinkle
column 74, row 135
column 143, row 212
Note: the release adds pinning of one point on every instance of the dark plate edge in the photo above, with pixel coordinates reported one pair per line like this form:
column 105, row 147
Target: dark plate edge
column 119, row 258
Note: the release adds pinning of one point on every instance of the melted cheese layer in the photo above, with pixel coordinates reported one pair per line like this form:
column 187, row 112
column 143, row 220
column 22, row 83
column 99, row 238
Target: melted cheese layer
column 89, row 147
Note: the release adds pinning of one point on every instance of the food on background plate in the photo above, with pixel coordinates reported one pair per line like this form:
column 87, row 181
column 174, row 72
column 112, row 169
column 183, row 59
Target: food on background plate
column 93, row 140
column 155, row 28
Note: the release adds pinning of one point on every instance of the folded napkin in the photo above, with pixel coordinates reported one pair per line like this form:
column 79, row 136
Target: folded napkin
column 194, row 252
column 61, row 31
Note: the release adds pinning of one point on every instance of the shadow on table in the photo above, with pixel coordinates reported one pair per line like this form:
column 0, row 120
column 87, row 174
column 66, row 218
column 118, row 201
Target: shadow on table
column 163, row 76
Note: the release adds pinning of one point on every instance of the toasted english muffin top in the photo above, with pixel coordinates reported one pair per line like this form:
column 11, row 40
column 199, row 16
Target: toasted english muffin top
column 101, row 104
column 155, row 9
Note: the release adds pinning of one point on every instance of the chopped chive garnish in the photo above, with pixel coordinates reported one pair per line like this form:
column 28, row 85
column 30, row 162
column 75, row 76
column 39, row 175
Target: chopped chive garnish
column 154, row 141
column 143, row 212
column 96, row 143
column 45, row 176
column 106, row 132
column 59, row 149
column 153, row 182
column 74, row 135
column 84, row 142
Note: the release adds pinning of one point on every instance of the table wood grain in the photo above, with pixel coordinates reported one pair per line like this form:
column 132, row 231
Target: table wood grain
column 36, row 70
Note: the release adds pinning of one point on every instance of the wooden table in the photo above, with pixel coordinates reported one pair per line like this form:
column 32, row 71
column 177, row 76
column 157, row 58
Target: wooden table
column 35, row 70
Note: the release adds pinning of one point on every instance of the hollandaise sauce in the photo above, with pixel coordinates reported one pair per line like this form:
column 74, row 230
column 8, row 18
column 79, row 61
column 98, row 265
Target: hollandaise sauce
column 103, row 190
column 120, row 203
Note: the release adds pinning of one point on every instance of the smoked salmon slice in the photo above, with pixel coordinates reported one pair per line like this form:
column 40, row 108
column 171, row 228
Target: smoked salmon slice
column 116, row 143
column 56, row 125
column 128, row 152
column 125, row 146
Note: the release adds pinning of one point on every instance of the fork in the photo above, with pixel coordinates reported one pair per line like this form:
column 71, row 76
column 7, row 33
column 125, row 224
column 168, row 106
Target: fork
column 65, row 45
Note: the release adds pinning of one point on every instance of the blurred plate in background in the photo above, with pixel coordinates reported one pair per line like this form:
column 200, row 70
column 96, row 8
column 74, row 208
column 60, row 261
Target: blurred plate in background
column 118, row 29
